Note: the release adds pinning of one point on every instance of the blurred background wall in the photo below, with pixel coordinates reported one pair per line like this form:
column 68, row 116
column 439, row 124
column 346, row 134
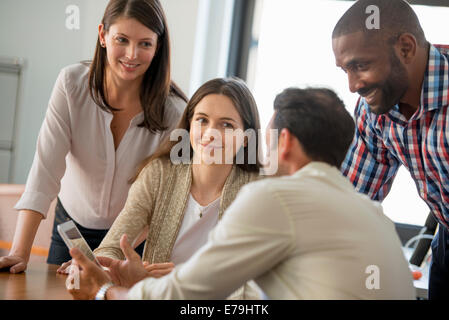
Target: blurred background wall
column 34, row 35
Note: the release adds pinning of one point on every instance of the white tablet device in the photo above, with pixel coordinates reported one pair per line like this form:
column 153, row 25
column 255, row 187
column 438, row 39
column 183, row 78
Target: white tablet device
column 73, row 239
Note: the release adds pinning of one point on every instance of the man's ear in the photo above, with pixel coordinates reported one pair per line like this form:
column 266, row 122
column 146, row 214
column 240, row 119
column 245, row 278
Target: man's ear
column 406, row 47
column 285, row 143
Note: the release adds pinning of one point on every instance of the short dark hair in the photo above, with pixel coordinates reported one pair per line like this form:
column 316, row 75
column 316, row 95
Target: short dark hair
column 396, row 17
column 318, row 119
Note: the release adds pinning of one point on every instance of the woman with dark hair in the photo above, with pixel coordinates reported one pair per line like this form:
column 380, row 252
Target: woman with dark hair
column 103, row 119
column 181, row 193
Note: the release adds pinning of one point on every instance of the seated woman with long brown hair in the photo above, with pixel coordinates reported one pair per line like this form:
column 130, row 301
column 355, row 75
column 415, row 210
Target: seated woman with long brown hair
column 181, row 193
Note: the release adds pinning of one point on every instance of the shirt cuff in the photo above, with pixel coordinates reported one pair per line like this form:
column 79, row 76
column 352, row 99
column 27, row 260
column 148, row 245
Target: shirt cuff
column 137, row 292
column 36, row 201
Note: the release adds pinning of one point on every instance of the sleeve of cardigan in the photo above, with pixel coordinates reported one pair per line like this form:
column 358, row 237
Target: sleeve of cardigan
column 136, row 213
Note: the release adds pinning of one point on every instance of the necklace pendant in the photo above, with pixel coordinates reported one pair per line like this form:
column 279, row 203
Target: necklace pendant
column 201, row 214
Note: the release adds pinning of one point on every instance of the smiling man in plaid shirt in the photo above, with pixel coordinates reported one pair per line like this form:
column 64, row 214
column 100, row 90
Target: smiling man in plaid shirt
column 402, row 115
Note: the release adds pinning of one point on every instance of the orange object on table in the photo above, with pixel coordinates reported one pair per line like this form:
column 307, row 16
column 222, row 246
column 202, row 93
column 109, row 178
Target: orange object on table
column 416, row 274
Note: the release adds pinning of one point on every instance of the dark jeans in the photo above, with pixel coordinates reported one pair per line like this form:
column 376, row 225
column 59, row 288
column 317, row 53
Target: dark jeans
column 439, row 267
column 59, row 253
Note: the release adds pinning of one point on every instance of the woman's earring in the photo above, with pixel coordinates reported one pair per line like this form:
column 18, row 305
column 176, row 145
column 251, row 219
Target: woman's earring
column 102, row 45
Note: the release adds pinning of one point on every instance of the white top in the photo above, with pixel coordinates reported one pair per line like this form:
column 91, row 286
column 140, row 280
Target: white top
column 194, row 229
column 305, row 236
column 75, row 155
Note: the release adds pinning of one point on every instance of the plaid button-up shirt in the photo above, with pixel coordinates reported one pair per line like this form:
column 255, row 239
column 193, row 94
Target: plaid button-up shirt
column 383, row 142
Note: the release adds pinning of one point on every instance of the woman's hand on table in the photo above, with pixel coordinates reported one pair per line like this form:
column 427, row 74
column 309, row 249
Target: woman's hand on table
column 65, row 267
column 154, row 270
column 15, row 263
column 157, row 270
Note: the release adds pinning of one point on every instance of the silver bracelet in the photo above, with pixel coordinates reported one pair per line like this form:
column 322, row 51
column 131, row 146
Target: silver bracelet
column 101, row 294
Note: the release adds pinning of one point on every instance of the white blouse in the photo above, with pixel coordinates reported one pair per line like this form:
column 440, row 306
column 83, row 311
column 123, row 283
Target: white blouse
column 76, row 159
column 198, row 221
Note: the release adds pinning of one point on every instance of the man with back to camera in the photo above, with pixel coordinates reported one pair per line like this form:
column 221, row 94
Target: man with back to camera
column 306, row 234
column 402, row 115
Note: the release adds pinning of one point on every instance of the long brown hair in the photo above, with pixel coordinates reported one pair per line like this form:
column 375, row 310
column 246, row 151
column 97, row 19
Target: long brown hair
column 236, row 90
column 156, row 84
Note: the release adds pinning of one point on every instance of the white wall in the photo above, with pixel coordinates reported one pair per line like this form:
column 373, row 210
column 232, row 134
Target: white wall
column 182, row 19
column 200, row 32
column 36, row 31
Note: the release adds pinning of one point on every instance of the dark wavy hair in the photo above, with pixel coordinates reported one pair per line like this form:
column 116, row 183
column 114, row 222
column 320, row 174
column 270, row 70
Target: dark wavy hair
column 157, row 84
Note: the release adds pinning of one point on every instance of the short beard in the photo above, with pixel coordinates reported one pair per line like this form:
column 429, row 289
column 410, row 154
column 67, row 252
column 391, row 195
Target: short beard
column 394, row 87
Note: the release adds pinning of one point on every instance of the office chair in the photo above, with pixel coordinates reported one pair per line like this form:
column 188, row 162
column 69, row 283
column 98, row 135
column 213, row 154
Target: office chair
column 424, row 239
